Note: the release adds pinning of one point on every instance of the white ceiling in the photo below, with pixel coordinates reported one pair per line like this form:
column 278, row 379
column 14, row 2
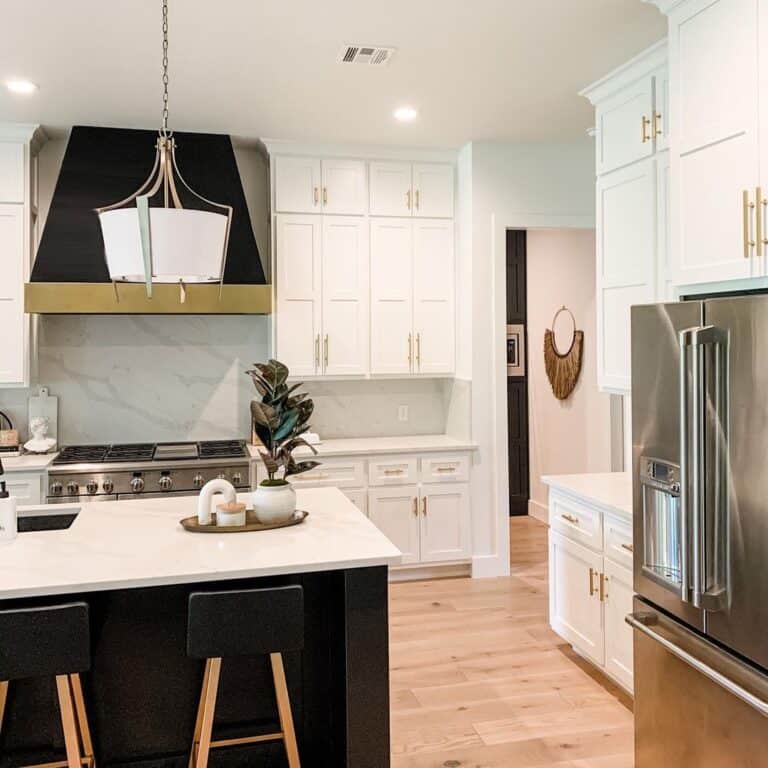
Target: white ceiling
column 475, row 69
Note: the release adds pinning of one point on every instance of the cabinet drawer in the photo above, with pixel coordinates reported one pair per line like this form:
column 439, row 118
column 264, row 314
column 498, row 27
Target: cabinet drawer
column 395, row 470
column 444, row 468
column 576, row 521
column 25, row 487
column 618, row 541
column 336, row 472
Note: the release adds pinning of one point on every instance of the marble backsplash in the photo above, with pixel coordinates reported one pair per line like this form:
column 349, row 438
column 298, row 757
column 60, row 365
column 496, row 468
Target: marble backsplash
column 165, row 378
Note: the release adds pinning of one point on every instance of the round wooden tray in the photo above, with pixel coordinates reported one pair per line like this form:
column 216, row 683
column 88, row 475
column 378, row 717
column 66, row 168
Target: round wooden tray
column 251, row 523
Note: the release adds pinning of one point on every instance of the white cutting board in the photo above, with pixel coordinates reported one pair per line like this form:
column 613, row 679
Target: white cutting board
column 45, row 406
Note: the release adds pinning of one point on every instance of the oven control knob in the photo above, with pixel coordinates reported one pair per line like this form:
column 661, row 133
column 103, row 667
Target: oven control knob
column 108, row 486
column 222, row 476
column 237, row 478
column 56, row 488
column 137, row 484
column 198, row 480
column 675, row 488
column 91, row 486
column 72, row 488
column 166, row 482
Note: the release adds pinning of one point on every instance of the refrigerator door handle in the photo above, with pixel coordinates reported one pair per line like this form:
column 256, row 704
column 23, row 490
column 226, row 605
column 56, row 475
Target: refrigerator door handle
column 643, row 621
column 694, row 535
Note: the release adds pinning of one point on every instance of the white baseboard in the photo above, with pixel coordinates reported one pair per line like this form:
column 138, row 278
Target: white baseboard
column 538, row 510
column 420, row 572
column 488, row 567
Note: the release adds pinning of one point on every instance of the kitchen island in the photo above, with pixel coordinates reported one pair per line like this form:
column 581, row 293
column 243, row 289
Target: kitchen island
column 135, row 566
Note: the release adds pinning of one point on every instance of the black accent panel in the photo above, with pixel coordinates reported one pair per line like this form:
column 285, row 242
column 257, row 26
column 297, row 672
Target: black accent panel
column 517, row 387
column 102, row 166
column 245, row 622
column 44, row 641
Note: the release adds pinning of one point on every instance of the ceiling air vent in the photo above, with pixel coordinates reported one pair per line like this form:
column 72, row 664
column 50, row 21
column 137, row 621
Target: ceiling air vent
column 365, row 54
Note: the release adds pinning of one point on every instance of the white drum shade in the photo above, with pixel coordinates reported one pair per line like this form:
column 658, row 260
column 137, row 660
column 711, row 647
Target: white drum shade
column 187, row 245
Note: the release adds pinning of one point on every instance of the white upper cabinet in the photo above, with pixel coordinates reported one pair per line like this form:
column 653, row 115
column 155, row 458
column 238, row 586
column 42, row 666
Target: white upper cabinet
column 391, row 296
column 298, row 287
column 12, row 165
column 715, row 155
column 345, row 296
column 391, row 189
column 403, row 189
column 309, row 185
column 433, row 191
column 13, row 334
column 344, row 186
column 433, row 297
column 298, row 185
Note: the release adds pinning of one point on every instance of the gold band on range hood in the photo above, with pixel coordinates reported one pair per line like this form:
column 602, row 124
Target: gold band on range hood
column 131, row 299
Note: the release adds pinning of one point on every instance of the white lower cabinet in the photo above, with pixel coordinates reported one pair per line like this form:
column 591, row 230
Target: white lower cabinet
column 445, row 534
column 394, row 510
column 358, row 497
column 26, row 487
column 590, row 587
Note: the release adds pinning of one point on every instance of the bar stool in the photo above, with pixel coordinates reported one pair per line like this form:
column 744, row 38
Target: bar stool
column 51, row 641
column 247, row 622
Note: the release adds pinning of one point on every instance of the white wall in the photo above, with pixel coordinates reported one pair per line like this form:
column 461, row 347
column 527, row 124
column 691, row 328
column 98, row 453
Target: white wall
column 573, row 435
column 513, row 186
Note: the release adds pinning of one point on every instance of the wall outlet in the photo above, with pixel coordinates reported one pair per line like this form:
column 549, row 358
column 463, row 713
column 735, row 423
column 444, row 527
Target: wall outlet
column 402, row 413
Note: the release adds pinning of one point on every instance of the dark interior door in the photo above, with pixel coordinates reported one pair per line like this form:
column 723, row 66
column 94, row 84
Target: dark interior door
column 517, row 386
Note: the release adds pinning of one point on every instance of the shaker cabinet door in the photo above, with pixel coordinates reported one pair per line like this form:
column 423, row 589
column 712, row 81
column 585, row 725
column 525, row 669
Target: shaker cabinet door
column 433, row 190
column 344, row 186
column 390, row 189
column 13, row 322
column 394, row 511
column 297, row 185
column 618, row 596
column 298, row 288
column 445, row 523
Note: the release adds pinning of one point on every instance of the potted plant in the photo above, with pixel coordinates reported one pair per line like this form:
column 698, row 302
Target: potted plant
column 279, row 419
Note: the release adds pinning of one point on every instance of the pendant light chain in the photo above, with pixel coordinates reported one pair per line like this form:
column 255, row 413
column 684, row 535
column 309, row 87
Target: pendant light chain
column 164, row 130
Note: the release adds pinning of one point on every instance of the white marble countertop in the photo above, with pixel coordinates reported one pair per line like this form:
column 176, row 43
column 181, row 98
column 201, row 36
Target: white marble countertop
column 610, row 490
column 125, row 544
column 31, row 462
column 372, row 446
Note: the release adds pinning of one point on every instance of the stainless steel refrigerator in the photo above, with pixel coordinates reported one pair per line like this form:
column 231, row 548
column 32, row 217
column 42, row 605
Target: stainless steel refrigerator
column 700, row 480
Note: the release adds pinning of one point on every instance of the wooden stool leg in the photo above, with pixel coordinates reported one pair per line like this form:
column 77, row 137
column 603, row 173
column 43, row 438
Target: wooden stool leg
column 3, row 699
column 82, row 719
column 199, row 720
column 284, row 709
column 68, row 721
column 209, row 707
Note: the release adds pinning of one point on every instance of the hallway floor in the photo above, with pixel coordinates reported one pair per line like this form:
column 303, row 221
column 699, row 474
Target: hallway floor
column 479, row 680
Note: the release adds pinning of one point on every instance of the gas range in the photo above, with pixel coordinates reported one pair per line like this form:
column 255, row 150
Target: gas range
column 149, row 470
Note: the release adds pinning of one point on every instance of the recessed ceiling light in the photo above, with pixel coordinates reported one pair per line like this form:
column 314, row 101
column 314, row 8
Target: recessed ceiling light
column 405, row 114
column 20, row 86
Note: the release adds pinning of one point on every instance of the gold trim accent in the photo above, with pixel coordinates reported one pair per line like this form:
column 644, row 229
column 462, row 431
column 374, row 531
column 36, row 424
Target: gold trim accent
column 131, row 299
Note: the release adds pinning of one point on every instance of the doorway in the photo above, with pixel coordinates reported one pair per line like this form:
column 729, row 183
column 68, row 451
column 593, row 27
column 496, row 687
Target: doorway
column 517, row 372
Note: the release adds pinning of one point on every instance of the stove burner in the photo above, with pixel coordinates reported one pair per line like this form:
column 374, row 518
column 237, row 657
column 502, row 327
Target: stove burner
column 222, row 449
column 82, row 454
column 131, row 452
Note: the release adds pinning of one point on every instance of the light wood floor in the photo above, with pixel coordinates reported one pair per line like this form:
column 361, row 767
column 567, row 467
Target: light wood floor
column 480, row 681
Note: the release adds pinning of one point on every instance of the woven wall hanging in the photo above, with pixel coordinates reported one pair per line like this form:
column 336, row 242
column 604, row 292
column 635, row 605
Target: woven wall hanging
column 563, row 369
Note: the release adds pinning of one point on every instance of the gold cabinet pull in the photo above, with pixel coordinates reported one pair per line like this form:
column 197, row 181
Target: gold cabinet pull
column 325, row 195
column 603, row 587
column 415, row 507
column 746, row 209
column 408, row 199
column 570, row 519
column 424, row 506
column 592, row 573
column 418, row 350
column 410, row 350
column 418, row 199
column 628, row 547
column 393, row 471
column 657, row 123
column 317, row 351
column 759, row 221
column 325, row 351
column 316, row 194
column 445, row 469
column 646, row 124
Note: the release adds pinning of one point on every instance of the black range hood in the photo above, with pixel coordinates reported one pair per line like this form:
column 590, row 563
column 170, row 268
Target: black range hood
column 103, row 165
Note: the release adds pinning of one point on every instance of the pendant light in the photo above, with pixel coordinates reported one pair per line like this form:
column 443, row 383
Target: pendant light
column 166, row 243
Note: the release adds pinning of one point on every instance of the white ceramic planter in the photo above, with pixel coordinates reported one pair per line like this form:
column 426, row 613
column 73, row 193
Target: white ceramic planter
column 274, row 503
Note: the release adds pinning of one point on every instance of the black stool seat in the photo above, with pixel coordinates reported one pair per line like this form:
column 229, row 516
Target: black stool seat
column 47, row 641
column 51, row 641
column 246, row 622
